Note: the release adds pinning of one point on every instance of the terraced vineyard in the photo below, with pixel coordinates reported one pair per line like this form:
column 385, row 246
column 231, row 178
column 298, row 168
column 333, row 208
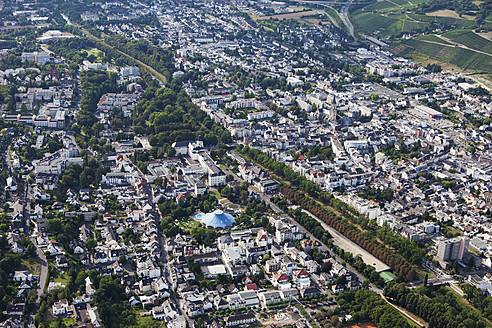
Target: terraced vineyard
column 395, row 19
column 396, row 23
column 470, row 39
column 379, row 5
column 369, row 22
column 463, row 58
column 446, row 21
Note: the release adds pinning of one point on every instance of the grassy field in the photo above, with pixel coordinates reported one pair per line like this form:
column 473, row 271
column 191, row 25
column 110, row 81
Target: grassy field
column 32, row 266
column 148, row 321
column 62, row 278
column 295, row 8
column 96, row 52
column 449, row 13
column 189, row 225
column 485, row 79
column 68, row 322
column 433, row 38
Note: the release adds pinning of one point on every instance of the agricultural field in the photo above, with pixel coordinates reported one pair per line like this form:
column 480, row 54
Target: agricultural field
column 459, row 57
column 447, row 22
column 458, row 46
column 469, row 39
column 390, row 18
column 387, row 25
column 380, row 5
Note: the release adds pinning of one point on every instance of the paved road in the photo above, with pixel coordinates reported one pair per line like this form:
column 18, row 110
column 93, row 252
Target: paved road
column 346, row 19
column 65, row 17
column 9, row 160
column 343, row 14
column 405, row 313
column 164, row 257
column 44, row 270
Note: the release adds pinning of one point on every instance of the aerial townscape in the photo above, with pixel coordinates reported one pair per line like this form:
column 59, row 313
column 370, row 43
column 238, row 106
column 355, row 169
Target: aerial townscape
column 235, row 163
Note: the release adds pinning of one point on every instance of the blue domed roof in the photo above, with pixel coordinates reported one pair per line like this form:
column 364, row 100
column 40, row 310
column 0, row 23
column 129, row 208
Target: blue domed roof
column 218, row 220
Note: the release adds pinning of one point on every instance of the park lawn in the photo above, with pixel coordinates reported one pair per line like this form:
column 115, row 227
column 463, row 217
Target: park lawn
column 96, row 52
column 147, row 321
column 68, row 322
column 295, row 8
column 189, row 225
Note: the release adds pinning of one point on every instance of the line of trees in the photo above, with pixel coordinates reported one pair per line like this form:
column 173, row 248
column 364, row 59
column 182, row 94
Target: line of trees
column 158, row 58
column 367, row 305
column 313, row 226
column 439, row 306
column 397, row 262
column 409, row 250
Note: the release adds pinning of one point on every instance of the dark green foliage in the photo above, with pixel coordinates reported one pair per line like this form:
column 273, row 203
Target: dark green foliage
column 367, row 305
column 339, row 220
column 377, row 194
column 480, row 301
column 168, row 116
column 158, row 58
column 312, row 225
column 94, row 84
column 111, row 299
column 408, row 249
column 281, row 170
column 171, row 212
column 65, row 229
column 9, row 263
column 404, row 151
column 460, row 6
column 439, row 306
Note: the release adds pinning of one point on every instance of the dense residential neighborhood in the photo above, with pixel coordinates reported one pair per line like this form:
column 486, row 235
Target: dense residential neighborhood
column 235, row 163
